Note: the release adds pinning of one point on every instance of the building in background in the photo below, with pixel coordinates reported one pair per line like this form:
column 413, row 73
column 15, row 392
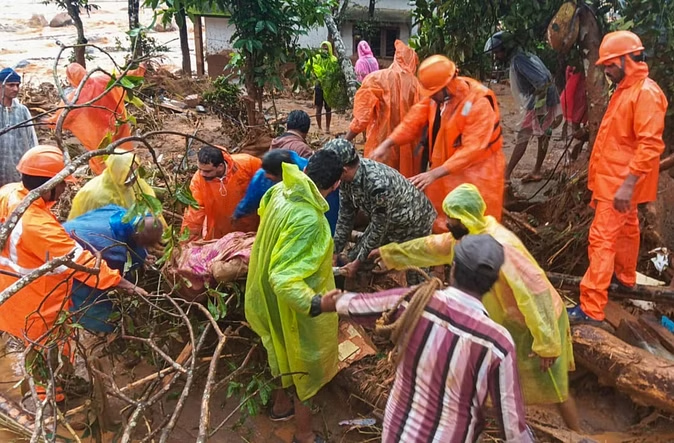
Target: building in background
column 392, row 20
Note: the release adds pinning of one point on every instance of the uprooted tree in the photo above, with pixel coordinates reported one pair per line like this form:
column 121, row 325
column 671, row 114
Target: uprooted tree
column 155, row 327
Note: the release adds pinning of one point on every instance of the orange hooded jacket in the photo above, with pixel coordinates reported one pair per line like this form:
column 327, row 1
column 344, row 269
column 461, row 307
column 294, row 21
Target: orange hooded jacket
column 629, row 140
column 381, row 103
column 218, row 198
column 91, row 125
column 468, row 144
column 38, row 237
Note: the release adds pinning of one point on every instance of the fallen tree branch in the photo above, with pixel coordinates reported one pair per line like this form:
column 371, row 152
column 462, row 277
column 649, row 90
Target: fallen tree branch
column 638, row 292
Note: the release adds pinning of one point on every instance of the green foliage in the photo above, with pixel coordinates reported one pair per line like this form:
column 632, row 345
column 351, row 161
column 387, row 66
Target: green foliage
column 224, row 98
column 266, row 37
column 653, row 21
column 459, row 29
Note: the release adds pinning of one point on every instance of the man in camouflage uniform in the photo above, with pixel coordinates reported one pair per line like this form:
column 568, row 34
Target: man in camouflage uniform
column 397, row 210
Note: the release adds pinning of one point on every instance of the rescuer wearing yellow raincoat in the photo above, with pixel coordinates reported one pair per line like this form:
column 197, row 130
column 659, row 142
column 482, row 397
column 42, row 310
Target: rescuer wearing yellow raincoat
column 118, row 185
column 290, row 264
column 523, row 300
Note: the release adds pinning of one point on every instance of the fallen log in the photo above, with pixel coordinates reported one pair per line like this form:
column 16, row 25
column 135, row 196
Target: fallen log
column 648, row 380
column 638, row 292
column 663, row 334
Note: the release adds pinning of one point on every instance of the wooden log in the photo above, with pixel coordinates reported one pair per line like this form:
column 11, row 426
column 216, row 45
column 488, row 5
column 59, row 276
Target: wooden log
column 638, row 292
column 199, row 45
column 648, row 380
column 634, row 333
column 663, row 334
column 667, row 162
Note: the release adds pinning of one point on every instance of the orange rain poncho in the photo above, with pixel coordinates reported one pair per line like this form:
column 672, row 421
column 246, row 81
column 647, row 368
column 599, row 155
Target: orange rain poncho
column 109, row 188
column 218, row 199
column 381, row 103
column 91, row 125
column 38, row 236
column 629, row 141
column 468, row 143
column 523, row 300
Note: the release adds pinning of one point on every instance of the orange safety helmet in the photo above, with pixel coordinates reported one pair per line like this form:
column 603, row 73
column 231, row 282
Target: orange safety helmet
column 618, row 43
column 43, row 161
column 435, row 73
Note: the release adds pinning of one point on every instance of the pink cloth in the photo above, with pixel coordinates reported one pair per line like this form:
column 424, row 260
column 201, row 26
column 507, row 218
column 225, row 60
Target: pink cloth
column 195, row 260
column 366, row 63
column 574, row 101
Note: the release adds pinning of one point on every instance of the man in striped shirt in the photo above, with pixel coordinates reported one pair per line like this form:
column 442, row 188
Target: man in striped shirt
column 455, row 357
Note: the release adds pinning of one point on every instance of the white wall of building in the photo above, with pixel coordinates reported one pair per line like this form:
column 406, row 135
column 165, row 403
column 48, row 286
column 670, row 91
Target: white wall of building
column 218, row 32
column 388, row 4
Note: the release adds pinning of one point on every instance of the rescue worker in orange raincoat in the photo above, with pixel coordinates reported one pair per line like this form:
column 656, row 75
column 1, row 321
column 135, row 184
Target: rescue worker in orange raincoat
column 464, row 137
column 381, row 103
column 37, row 238
column 623, row 172
column 218, row 187
column 92, row 125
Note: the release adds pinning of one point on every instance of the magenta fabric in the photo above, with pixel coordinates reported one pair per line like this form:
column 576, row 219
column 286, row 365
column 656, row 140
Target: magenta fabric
column 195, row 260
column 367, row 63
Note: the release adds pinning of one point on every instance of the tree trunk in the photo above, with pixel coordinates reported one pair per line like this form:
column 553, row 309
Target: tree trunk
column 345, row 63
column 134, row 23
column 184, row 42
column 74, row 13
column 647, row 379
column 589, row 41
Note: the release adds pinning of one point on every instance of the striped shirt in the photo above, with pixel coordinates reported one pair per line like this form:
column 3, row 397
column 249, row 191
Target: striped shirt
column 456, row 356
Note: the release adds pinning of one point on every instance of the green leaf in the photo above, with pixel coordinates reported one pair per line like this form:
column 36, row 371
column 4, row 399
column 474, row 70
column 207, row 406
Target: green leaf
column 154, row 204
column 259, row 26
column 126, row 83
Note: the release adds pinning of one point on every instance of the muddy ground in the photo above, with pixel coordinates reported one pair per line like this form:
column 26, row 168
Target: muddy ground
column 607, row 415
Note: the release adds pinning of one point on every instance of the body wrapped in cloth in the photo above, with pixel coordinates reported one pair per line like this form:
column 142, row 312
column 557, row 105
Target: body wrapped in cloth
column 215, row 261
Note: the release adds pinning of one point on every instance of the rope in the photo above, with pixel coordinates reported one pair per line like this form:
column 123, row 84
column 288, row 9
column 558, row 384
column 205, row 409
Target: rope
column 400, row 330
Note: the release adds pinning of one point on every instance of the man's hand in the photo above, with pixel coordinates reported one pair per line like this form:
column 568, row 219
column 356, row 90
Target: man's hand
column 380, row 154
column 374, row 255
column 622, row 202
column 351, row 269
column 546, row 362
column 350, row 135
column 329, row 300
column 421, row 181
column 129, row 287
column 150, row 260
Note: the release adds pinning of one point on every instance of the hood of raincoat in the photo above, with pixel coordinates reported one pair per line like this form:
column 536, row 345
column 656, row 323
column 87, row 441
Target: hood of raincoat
column 75, row 73
column 634, row 72
column 329, row 45
column 405, row 58
column 298, row 187
column 118, row 167
column 466, row 204
column 364, row 49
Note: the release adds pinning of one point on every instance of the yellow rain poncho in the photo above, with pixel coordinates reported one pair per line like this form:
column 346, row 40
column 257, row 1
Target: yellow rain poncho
column 291, row 262
column 109, row 188
column 522, row 300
